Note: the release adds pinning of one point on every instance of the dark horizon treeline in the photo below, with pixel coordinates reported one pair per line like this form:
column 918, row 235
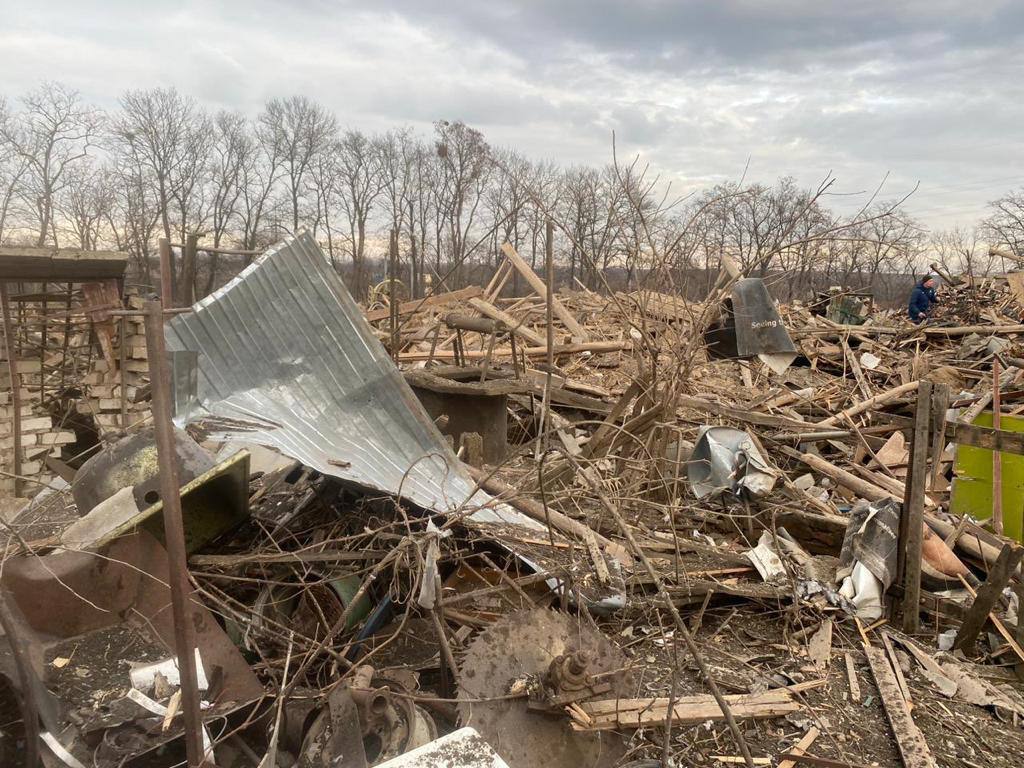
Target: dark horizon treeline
column 163, row 166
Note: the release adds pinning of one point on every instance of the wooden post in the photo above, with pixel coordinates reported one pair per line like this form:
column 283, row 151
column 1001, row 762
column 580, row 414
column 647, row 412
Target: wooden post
column 940, row 404
column 997, row 457
column 998, row 576
column 123, row 359
column 166, row 274
column 174, row 533
column 392, row 291
column 549, row 273
column 188, row 270
column 12, row 368
column 912, row 517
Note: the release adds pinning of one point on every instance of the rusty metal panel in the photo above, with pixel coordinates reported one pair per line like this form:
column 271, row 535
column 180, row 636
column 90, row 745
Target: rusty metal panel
column 286, row 359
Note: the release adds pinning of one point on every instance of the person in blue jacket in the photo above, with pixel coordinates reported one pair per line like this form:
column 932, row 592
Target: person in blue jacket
column 922, row 298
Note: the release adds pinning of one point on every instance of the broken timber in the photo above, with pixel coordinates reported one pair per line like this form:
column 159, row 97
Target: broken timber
column 610, row 714
column 909, row 740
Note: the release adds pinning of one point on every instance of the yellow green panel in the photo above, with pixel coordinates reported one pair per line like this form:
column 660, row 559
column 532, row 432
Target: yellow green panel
column 972, row 481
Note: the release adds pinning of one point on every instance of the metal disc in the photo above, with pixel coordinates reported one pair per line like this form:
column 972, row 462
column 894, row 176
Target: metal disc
column 524, row 644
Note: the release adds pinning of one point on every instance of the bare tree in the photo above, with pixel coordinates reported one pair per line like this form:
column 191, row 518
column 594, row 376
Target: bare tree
column 13, row 166
column 960, row 251
column 1004, row 226
column 359, row 183
column 54, row 131
column 464, row 174
column 230, row 151
column 258, row 177
column 300, row 129
column 86, row 202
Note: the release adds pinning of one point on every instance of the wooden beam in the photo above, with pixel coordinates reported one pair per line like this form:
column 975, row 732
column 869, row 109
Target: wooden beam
column 12, row 368
column 415, row 305
column 487, row 309
column 983, row 437
column 998, row 577
column 61, row 264
column 563, row 349
column 912, row 517
column 966, row 330
column 866, row 405
column 570, row 322
column 910, row 741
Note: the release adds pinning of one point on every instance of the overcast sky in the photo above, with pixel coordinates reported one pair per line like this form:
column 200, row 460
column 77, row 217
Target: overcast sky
column 925, row 91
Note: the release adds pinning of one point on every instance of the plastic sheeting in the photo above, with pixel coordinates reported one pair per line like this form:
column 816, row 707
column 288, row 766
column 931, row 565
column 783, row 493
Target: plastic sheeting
column 287, row 360
column 867, row 562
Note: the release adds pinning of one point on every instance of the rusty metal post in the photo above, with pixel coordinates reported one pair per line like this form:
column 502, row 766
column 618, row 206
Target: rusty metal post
column 166, row 274
column 12, row 367
column 174, row 532
column 188, row 269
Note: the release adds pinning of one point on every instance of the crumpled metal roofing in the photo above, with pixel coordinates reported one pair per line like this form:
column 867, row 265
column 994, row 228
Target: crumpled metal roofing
column 286, row 359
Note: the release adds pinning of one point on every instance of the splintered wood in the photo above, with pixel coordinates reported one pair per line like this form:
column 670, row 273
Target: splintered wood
column 688, row 710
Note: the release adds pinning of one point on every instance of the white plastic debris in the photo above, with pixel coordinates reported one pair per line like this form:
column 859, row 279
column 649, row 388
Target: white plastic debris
column 144, row 676
column 464, row 748
column 765, row 559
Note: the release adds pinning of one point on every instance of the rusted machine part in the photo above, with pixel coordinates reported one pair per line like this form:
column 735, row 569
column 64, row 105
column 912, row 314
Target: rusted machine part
column 531, row 734
column 388, row 725
column 132, row 461
column 127, row 580
column 569, row 672
column 28, row 702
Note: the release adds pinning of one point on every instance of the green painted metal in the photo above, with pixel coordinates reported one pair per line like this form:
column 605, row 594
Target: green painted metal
column 972, row 482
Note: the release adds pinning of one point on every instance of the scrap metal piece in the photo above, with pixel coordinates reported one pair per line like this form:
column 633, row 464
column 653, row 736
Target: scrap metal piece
column 726, row 460
column 214, row 497
column 518, row 651
column 286, row 359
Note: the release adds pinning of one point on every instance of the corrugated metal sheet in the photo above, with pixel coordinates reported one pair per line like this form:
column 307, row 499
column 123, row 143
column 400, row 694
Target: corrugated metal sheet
column 287, row 360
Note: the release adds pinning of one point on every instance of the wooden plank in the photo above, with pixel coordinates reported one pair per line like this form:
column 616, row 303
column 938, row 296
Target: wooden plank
column 967, row 330
column 822, row 762
column 563, row 349
column 866, row 405
column 12, row 368
column 570, row 322
column 851, row 676
column 739, row 414
column 912, row 517
column 415, row 305
column 60, row 264
column 487, row 309
column 940, row 404
column 985, row 600
column 800, row 747
column 910, row 741
column 983, row 437
column 687, row 710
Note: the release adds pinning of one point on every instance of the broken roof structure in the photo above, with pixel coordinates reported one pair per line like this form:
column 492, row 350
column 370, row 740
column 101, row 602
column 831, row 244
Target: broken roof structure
column 286, row 359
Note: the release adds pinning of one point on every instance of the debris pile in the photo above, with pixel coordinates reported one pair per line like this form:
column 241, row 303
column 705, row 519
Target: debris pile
column 477, row 530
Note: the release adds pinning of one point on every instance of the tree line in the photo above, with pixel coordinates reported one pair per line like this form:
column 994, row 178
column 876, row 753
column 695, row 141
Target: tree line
column 161, row 166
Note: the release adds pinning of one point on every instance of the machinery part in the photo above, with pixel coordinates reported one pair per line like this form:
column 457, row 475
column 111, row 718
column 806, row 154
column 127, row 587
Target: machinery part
column 131, row 461
column 542, row 648
column 385, row 725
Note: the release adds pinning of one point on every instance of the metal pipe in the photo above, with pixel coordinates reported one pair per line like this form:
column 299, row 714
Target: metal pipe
column 174, row 532
column 12, row 368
